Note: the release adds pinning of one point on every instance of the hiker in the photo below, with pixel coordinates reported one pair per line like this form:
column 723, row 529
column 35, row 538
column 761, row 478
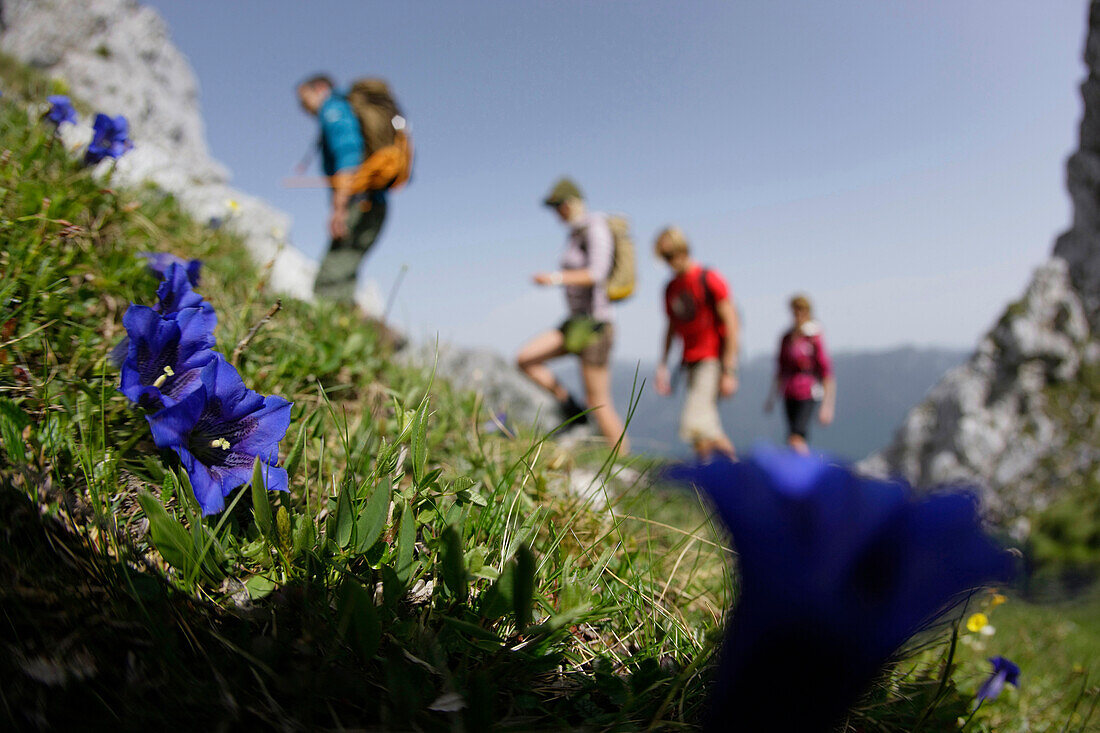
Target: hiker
column 364, row 152
column 803, row 376
column 700, row 312
column 588, row 332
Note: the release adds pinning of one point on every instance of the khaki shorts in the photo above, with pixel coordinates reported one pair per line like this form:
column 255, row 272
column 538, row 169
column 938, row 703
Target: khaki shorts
column 593, row 339
column 699, row 419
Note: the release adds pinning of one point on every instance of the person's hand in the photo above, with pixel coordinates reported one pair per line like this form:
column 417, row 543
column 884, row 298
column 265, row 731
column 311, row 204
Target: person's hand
column 662, row 383
column 825, row 416
column 727, row 385
column 548, row 278
column 338, row 223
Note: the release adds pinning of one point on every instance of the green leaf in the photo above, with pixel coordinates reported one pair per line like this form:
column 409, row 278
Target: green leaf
column 169, row 536
column 294, row 457
column 406, row 542
column 343, row 516
column 372, row 517
column 261, row 504
column 472, row 629
column 357, row 619
column 259, row 586
column 453, row 564
column 12, row 422
column 523, row 590
column 497, row 600
column 303, row 534
column 420, row 442
column 282, row 527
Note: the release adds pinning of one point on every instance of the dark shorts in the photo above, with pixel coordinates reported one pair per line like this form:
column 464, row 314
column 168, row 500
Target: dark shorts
column 589, row 339
column 799, row 414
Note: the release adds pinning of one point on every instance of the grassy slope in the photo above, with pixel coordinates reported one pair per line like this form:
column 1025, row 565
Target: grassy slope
column 318, row 625
column 316, row 643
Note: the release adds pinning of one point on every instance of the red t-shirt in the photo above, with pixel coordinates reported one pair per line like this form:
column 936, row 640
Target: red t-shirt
column 692, row 318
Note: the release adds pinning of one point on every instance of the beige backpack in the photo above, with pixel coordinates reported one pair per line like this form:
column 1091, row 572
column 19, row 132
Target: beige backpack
column 621, row 281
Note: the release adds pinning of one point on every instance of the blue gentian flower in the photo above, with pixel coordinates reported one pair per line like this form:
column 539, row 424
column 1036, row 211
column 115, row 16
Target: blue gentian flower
column 163, row 356
column 837, row 571
column 61, row 110
column 159, row 262
column 1003, row 671
column 218, row 429
column 110, row 139
column 175, row 293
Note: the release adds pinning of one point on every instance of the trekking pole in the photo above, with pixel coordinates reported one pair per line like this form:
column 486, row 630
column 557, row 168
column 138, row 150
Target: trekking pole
column 393, row 293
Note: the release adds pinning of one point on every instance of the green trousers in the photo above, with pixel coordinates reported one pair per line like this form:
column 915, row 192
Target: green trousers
column 337, row 275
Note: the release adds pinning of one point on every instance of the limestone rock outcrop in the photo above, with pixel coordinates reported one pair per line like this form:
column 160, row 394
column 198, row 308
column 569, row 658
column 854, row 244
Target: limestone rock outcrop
column 1017, row 418
column 117, row 56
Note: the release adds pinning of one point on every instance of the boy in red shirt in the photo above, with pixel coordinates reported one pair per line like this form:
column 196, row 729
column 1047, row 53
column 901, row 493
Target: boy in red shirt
column 701, row 313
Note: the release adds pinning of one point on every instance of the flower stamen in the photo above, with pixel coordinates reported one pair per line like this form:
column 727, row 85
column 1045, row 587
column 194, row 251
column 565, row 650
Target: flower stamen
column 220, row 443
column 168, row 372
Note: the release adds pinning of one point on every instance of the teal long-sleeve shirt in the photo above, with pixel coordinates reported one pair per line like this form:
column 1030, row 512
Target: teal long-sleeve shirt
column 341, row 139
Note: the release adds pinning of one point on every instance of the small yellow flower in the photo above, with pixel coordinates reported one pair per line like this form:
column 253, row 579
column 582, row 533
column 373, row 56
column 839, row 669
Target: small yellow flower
column 233, row 205
column 996, row 600
column 977, row 622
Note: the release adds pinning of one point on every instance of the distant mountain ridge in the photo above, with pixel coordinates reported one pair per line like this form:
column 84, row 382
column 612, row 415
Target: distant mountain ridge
column 875, row 389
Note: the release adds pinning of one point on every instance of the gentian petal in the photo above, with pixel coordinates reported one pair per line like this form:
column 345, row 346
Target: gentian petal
column 175, row 293
column 207, row 488
column 992, row 687
column 837, row 571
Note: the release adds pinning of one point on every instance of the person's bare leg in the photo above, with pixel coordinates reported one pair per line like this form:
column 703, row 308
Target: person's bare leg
column 705, row 448
column 724, row 446
column 597, row 387
column 532, row 357
column 798, row 444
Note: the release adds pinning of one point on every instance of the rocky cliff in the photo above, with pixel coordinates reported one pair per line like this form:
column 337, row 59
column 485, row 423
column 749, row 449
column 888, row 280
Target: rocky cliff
column 1018, row 419
column 117, row 56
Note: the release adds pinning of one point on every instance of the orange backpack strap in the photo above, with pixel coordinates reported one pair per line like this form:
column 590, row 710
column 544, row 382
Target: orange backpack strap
column 386, row 168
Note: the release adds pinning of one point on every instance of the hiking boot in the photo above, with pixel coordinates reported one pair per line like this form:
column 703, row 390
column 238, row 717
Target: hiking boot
column 571, row 409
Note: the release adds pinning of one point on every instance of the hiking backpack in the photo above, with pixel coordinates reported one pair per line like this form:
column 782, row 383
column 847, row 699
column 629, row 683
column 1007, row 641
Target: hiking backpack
column 621, row 280
column 387, row 148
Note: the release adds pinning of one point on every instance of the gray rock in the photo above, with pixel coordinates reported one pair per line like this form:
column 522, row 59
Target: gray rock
column 500, row 385
column 118, row 57
column 1015, row 419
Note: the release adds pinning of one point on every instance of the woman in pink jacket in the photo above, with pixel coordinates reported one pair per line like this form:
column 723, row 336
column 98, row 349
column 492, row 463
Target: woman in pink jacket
column 803, row 376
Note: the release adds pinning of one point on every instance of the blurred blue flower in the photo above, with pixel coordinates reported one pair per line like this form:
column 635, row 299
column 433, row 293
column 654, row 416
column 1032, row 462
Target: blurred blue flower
column 1003, row 671
column 499, row 424
column 163, row 355
column 837, row 571
column 218, row 429
column 110, row 139
column 159, row 262
column 175, row 293
column 61, row 110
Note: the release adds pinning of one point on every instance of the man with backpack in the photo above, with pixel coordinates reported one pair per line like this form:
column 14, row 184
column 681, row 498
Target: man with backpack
column 700, row 312
column 589, row 269
column 364, row 152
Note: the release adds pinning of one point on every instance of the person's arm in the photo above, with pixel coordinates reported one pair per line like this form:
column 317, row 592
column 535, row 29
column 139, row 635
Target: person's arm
column 601, row 252
column 727, row 315
column 824, row 367
column 580, row 276
column 777, row 382
column 664, row 384
column 340, row 130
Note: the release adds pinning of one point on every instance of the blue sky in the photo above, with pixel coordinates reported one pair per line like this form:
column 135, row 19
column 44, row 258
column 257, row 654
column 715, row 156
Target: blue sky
column 902, row 162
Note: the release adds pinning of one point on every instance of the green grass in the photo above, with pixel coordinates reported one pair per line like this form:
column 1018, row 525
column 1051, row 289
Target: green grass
column 1057, row 647
column 418, row 574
